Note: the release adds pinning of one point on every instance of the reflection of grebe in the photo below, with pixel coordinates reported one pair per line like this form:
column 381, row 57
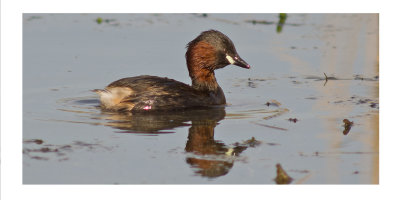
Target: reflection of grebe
column 211, row 50
column 161, row 122
column 208, row 157
column 211, row 158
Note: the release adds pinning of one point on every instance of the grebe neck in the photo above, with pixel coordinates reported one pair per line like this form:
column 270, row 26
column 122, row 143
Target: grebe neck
column 201, row 60
column 204, row 80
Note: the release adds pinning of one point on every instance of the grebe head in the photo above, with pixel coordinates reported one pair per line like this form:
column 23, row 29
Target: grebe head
column 209, row 51
column 212, row 50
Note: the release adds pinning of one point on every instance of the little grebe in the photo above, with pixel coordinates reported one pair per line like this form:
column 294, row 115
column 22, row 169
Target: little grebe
column 211, row 50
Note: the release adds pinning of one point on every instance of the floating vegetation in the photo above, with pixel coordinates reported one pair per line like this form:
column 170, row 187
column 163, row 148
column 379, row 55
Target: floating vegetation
column 100, row 20
column 281, row 176
column 279, row 24
column 282, row 20
column 33, row 18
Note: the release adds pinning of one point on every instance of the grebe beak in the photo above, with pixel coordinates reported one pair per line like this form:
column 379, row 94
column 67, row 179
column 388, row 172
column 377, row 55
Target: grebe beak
column 240, row 62
column 236, row 60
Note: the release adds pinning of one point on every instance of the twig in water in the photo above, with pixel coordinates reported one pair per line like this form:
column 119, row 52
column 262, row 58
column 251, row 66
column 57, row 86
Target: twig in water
column 326, row 79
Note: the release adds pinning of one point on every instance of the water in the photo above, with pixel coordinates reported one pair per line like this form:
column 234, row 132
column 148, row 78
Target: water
column 284, row 110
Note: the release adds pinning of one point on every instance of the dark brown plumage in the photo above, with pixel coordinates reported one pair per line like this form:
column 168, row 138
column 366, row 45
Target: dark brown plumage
column 209, row 51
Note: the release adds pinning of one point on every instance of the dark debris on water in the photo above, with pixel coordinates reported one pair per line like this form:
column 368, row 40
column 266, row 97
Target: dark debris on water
column 252, row 142
column 36, row 141
column 347, row 126
column 355, row 77
column 38, row 152
column 273, row 103
column 359, row 101
column 259, row 22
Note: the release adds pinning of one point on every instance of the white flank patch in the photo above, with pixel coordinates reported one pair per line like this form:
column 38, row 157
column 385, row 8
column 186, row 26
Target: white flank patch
column 107, row 99
column 230, row 59
column 112, row 96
